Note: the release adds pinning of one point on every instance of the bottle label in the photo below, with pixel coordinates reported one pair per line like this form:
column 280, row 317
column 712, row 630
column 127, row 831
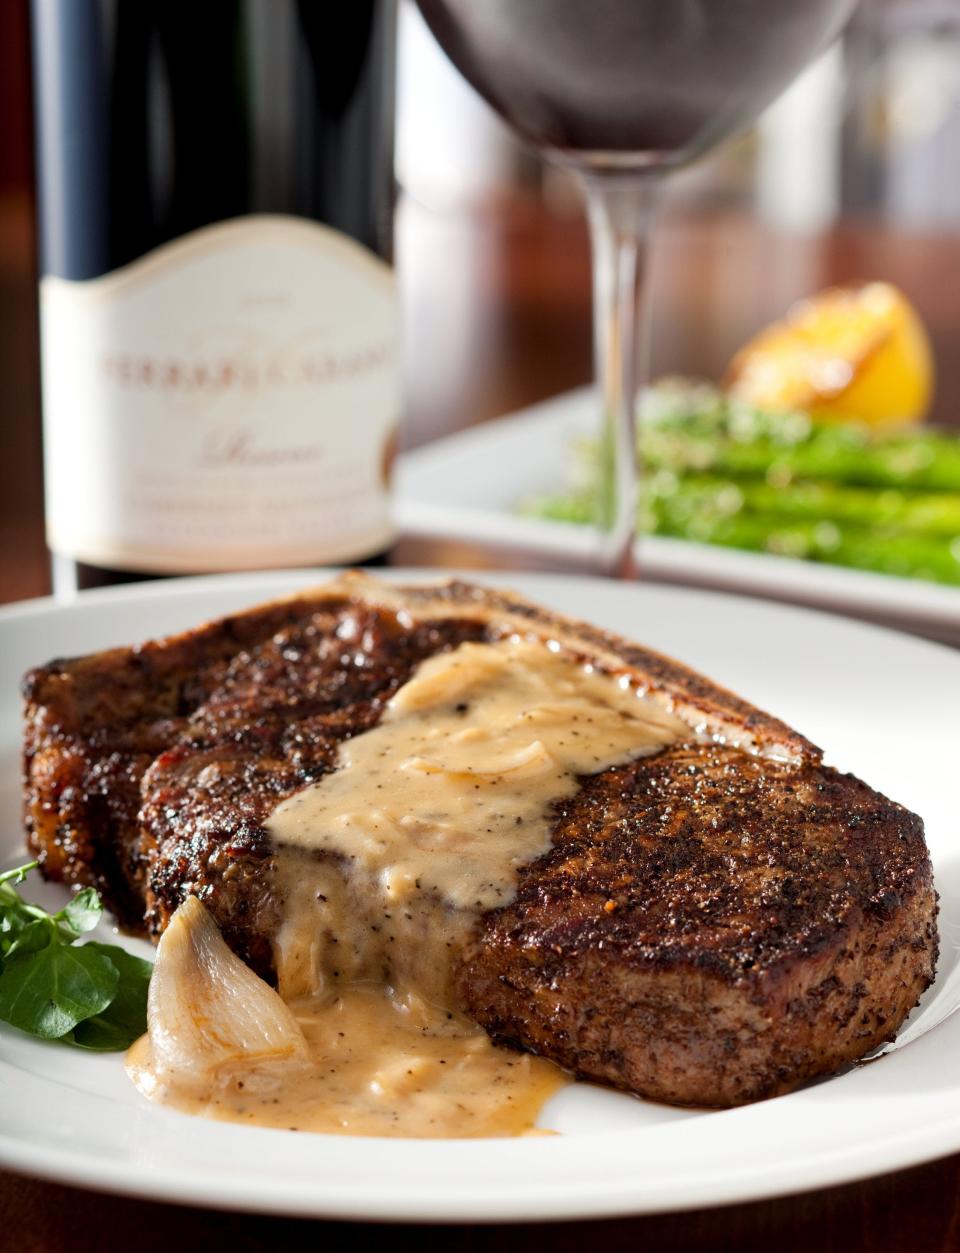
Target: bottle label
column 229, row 401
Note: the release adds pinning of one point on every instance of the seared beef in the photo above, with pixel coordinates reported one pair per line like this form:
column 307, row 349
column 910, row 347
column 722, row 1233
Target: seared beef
column 711, row 928
column 714, row 924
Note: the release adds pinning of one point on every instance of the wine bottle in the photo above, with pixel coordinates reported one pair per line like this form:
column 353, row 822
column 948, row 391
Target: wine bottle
column 218, row 316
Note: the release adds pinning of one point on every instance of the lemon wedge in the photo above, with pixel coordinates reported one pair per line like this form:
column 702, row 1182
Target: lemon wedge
column 849, row 353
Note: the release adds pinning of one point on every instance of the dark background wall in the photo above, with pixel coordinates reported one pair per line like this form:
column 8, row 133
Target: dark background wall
column 20, row 465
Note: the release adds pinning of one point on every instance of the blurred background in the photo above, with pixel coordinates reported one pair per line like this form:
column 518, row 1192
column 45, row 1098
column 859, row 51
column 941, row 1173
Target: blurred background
column 853, row 174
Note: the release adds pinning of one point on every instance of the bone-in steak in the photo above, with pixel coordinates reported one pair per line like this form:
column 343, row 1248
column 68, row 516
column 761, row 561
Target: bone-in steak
column 713, row 924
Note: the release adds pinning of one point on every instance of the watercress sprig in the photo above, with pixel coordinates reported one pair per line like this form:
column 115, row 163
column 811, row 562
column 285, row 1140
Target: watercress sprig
column 91, row 995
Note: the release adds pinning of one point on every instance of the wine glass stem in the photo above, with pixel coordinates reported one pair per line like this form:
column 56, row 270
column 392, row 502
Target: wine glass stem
column 619, row 209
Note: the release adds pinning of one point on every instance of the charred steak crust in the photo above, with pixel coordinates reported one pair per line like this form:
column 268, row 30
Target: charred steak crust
column 756, row 924
column 710, row 927
column 271, row 728
column 93, row 725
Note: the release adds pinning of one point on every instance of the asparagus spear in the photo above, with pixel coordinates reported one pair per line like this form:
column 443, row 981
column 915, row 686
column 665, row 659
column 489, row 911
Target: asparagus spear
column 890, row 509
column 912, row 554
column 721, row 472
column 699, row 430
column 717, row 517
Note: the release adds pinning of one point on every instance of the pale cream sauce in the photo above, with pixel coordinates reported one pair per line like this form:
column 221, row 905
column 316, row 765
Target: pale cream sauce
column 377, row 1066
column 384, row 867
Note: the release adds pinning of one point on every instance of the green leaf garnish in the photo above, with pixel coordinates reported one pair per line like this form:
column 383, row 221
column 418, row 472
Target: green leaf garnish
column 30, row 938
column 125, row 1017
column 82, row 913
column 48, row 992
column 90, row 995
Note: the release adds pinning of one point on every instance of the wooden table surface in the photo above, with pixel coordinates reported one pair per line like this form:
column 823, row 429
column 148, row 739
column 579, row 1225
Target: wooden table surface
column 497, row 304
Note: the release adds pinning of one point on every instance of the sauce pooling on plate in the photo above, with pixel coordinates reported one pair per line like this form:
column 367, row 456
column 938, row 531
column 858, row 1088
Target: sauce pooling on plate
column 385, row 867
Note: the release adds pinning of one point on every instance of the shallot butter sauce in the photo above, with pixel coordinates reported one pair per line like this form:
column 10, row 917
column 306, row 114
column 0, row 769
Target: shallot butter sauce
column 385, row 867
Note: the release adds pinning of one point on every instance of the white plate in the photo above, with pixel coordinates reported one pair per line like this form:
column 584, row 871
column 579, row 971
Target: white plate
column 881, row 705
column 468, row 487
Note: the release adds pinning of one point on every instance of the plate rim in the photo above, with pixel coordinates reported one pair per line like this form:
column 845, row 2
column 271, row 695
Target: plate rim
column 897, row 1151
column 495, row 576
column 820, row 1172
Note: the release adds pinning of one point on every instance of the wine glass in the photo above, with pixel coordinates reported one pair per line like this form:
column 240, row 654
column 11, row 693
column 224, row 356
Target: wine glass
column 622, row 92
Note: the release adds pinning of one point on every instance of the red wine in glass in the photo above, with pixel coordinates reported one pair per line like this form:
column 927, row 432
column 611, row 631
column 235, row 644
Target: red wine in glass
column 623, row 91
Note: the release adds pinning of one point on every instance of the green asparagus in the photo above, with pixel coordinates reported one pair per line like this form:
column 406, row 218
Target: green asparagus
column 721, row 473
column 711, row 433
